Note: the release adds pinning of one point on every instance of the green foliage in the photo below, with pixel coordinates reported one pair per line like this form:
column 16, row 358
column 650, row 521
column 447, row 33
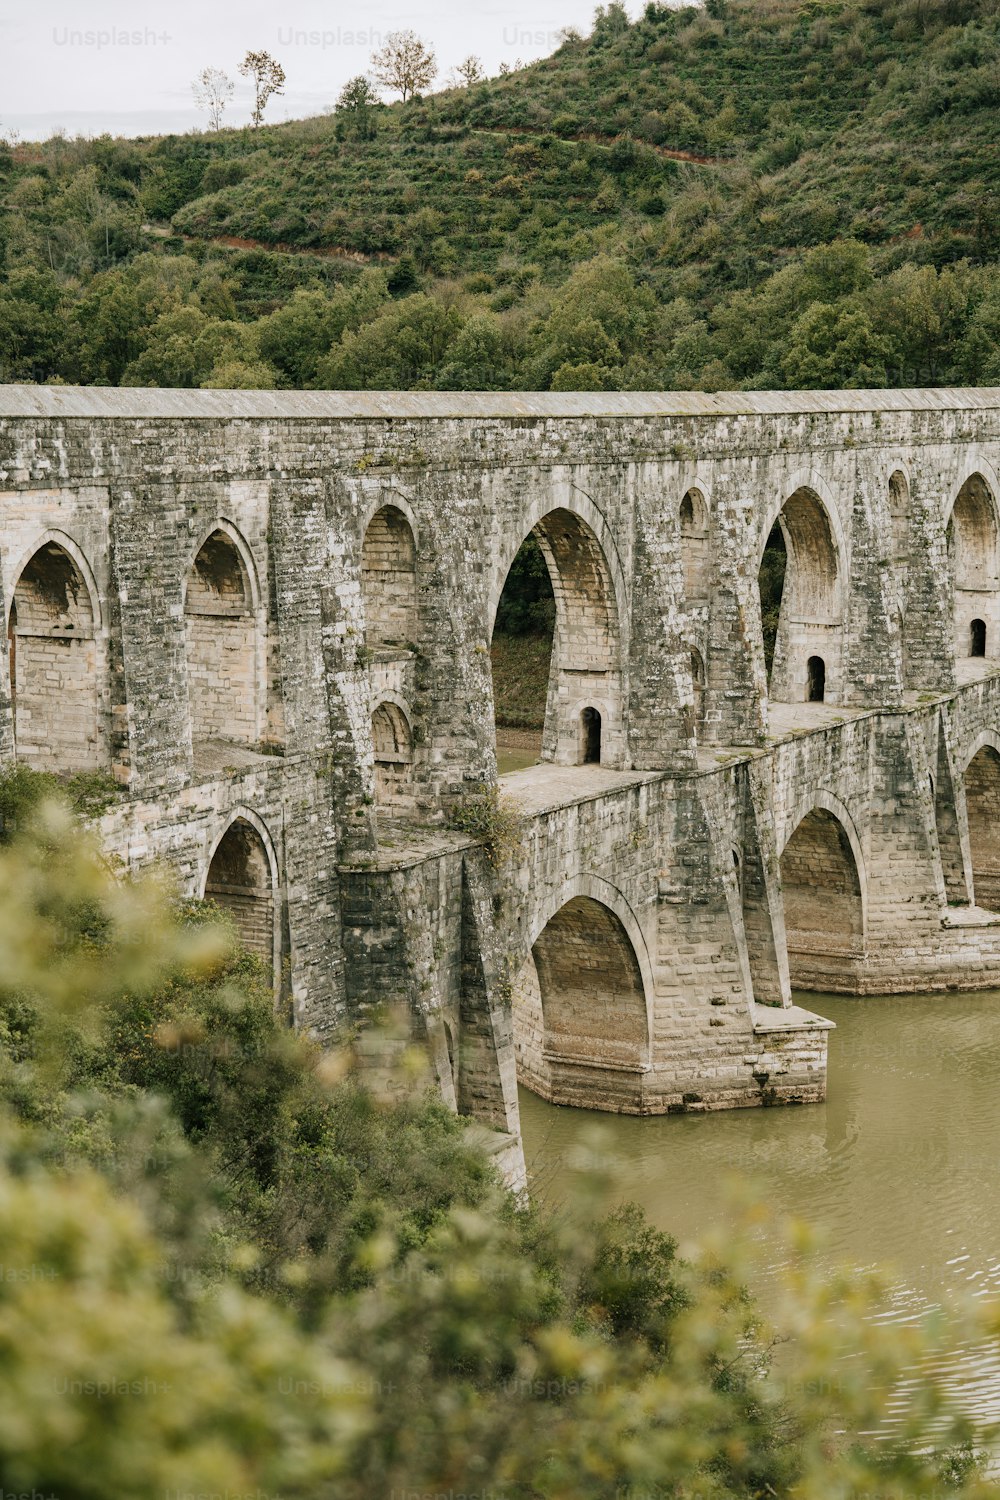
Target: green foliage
column 231, row 1260
column 527, row 605
column 520, row 679
column 831, row 232
column 23, row 790
column 493, row 821
column 357, row 108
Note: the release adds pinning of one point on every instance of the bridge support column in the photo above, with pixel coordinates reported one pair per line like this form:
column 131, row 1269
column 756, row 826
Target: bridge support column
column 928, row 614
column 662, row 714
column 951, row 820
column 148, row 562
column 487, row 1073
column 736, row 679
column 760, row 880
column 873, row 665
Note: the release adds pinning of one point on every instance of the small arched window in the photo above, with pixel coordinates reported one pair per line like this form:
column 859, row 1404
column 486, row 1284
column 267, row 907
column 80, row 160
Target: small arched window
column 590, row 737
column 693, row 519
column 815, row 679
column 977, row 638
column 393, row 746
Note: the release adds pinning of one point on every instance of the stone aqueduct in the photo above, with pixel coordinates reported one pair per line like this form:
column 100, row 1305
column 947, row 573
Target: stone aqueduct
column 268, row 615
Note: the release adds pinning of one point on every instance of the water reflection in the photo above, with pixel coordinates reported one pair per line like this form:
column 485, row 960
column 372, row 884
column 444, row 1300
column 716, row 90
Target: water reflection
column 898, row 1168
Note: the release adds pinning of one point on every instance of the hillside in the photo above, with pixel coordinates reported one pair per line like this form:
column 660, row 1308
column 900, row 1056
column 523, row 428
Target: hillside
column 777, row 194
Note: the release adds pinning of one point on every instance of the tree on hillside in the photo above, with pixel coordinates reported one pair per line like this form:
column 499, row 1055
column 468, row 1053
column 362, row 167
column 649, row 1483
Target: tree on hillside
column 404, row 63
column 356, row 102
column 268, row 78
column 469, row 71
column 212, row 91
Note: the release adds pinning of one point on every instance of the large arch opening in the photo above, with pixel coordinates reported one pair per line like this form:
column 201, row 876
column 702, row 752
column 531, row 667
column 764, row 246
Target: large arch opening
column 392, row 741
column 799, row 580
column 972, row 536
column 555, row 645
column 52, row 642
column 389, row 580
column 240, row 882
column 824, row 909
column 579, row 1010
column 982, row 799
column 221, row 626
column 521, row 657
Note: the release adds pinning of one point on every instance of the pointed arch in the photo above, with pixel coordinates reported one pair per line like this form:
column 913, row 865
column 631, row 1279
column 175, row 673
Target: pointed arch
column 56, row 659
column 585, row 1044
column 241, row 878
column 982, row 800
column 972, row 535
column 587, row 648
column 693, row 526
column 806, row 612
column 224, row 645
column 824, row 890
column 392, row 743
column 389, row 579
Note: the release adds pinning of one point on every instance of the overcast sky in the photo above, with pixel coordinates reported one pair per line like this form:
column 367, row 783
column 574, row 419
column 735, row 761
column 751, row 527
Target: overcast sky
column 126, row 66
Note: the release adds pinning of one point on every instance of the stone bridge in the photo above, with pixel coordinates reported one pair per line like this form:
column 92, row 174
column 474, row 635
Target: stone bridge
column 268, row 617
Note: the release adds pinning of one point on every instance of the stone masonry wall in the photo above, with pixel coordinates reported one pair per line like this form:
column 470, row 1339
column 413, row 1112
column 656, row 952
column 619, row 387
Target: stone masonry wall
column 375, row 534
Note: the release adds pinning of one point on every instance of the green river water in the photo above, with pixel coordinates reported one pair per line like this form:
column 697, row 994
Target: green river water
column 899, row 1168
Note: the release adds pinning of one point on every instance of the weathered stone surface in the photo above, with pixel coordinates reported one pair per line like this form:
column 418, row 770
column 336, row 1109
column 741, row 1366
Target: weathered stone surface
column 269, row 612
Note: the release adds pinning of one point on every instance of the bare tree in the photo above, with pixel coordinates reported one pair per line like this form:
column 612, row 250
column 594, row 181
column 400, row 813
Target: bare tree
column 268, row 78
column 468, row 72
column 404, row 63
column 213, row 90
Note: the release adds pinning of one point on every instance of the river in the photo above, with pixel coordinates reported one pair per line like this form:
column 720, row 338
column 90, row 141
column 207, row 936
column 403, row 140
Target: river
column 898, row 1169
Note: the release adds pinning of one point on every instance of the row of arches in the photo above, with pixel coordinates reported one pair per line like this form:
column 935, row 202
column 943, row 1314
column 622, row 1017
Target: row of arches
column 583, row 997
column 802, row 586
column 57, row 650
column 57, row 638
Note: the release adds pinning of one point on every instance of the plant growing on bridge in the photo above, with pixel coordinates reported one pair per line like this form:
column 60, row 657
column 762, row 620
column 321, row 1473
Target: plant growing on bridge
column 493, row 821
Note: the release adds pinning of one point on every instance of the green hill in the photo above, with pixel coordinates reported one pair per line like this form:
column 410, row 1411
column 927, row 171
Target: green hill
column 767, row 194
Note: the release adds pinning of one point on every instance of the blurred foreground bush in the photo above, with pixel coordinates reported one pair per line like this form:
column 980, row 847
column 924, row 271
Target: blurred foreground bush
column 229, row 1264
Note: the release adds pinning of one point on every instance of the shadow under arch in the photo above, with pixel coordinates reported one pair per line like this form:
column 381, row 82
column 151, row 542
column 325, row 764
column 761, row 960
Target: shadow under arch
column 981, row 776
column 224, row 636
column 587, row 648
column 234, row 536
column 582, row 1001
column 825, row 895
column 972, row 536
column 56, row 658
column 802, row 600
column 241, row 878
